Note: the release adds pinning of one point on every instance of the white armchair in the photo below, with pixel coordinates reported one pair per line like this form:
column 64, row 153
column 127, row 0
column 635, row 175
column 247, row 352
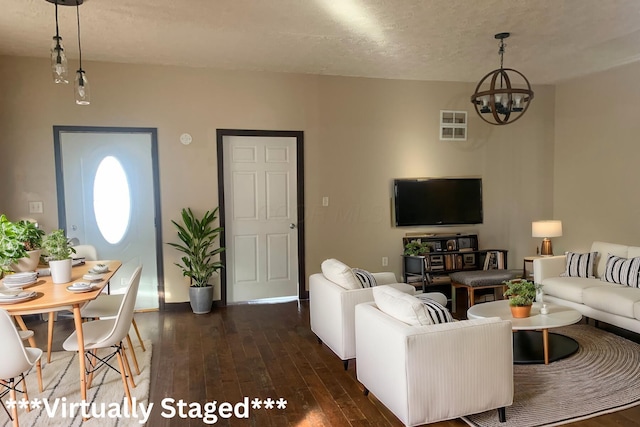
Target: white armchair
column 332, row 310
column 425, row 374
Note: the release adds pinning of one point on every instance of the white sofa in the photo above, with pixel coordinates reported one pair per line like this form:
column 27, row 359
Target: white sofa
column 332, row 310
column 431, row 373
column 612, row 303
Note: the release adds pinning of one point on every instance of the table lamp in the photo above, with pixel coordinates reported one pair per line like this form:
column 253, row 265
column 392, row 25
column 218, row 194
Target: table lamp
column 546, row 229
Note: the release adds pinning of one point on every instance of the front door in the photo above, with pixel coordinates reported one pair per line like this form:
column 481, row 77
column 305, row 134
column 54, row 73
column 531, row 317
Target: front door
column 261, row 216
column 106, row 195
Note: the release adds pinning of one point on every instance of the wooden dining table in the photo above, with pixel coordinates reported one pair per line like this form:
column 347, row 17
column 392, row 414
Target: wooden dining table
column 52, row 297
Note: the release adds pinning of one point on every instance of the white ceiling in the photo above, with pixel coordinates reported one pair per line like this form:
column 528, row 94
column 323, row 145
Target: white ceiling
column 551, row 41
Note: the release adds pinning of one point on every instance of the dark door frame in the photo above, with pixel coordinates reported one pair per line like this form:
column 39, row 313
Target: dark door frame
column 62, row 218
column 299, row 135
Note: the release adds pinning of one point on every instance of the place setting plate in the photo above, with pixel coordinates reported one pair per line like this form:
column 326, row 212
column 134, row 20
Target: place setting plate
column 14, row 297
column 99, row 269
column 19, row 285
column 93, row 277
column 80, row 287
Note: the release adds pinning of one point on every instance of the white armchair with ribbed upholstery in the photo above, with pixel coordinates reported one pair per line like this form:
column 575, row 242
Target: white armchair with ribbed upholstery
column 431, row 373
column 332, row 309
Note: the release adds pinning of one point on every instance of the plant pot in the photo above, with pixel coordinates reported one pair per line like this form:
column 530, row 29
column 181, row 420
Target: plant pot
column 60, row 271
column 520, row 311
column 27, row 263
column 201, row 299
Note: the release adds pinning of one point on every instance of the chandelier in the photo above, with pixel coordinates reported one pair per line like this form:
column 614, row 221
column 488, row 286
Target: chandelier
column 503, row 95
column 59, row 59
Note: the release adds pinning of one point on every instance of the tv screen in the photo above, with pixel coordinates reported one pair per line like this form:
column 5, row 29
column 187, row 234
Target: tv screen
column 437, row 201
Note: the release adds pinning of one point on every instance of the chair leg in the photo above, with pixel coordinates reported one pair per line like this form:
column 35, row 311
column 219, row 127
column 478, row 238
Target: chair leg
column 502, row 414
column 124, row 377
column 135, row 327
column 125, row 359
column 93, row 353
column 50, row 335
column 25, row 392
column 133, row 354
column 14, row 410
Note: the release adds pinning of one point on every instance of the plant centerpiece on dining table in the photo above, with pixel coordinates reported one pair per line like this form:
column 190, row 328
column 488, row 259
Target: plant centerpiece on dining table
column 58, row 251
column 198, row 262
column 20, row 244
column 521, row 295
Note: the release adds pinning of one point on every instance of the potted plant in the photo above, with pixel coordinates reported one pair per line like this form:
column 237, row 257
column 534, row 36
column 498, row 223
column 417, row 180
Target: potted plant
column 416, row 248
column 56, row 247
column 197, row 238
column 20, row 244
column 521, row 295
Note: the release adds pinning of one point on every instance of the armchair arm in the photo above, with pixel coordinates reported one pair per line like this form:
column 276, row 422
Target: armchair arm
column 430, row 373
column 385, row 278
column 546, row 267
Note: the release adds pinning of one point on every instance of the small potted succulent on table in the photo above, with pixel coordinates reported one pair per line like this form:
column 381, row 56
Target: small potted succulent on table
column 521, row 295
column 57, row 248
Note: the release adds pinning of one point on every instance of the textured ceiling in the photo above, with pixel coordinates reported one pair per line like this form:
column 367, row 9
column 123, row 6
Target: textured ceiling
column 552, row 40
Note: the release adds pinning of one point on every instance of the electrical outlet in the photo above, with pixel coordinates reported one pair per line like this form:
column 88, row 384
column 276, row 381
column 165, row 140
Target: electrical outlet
column 385, row 261
column 325, row 201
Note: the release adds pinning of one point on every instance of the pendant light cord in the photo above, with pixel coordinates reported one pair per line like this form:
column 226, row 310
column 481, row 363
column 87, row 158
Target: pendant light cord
column 79, row 47
column 57, row 32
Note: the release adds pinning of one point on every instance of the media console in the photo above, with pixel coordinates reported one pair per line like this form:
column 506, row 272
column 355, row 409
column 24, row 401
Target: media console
column 449, row 253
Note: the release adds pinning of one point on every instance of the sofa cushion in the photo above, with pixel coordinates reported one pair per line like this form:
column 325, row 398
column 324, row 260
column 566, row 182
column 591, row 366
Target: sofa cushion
column 340, row 274
column 365, row 278
column 604, row 248
column 403, row 307
column 623, row 271
column 580, row 265
column 569, row 288
column 612, row 298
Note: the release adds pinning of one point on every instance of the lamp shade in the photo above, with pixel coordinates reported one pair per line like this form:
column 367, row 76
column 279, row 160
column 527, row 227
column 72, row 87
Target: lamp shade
column 547, row 228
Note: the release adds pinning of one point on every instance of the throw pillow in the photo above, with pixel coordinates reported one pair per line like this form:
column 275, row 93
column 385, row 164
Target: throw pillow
column 437, row 312
column 407, row 308
column 580, row 265
column 340, row 274
column 622, row 270
column 365, row 278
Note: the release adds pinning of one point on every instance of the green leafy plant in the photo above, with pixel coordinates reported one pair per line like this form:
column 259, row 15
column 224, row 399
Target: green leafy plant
column 197, row 237
column 417, row 248
column 521, row 292
column 16, row 238
column 56, row 246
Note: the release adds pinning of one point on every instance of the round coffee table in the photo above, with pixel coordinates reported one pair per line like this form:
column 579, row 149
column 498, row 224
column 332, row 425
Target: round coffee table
column 529, row 344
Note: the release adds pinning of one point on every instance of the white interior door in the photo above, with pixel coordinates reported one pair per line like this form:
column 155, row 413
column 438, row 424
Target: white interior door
column 260, row 187
column 109, row 203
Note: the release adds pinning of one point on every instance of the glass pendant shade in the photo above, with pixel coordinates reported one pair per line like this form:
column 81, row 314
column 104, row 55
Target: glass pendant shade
column 58, row 61
column 81, row 88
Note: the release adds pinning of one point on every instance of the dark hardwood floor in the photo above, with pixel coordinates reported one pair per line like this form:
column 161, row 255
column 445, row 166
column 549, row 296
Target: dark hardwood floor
column 262, row 350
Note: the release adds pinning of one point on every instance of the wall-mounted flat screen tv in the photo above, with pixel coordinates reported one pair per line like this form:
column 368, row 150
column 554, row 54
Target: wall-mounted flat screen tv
column 437, row 201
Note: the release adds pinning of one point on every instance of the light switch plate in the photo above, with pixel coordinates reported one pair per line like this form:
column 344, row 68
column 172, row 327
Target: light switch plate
column 35, row 208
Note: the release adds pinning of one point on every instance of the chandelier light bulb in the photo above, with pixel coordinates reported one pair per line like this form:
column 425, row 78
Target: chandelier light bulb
column 81, row 89
column 59, row 67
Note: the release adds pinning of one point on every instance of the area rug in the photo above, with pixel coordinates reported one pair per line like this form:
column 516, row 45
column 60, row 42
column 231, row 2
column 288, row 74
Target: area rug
column 602, row 377
column 61, row 382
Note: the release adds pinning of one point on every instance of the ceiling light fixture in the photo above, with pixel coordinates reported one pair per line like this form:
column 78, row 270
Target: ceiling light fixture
column 58, row 58
column 81, row 86
column 496, row 104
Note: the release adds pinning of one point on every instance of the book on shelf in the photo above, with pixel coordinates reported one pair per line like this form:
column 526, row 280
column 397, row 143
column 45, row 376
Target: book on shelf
column 494, row 260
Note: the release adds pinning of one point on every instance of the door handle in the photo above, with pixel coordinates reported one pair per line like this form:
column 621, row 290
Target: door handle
column 292, row 226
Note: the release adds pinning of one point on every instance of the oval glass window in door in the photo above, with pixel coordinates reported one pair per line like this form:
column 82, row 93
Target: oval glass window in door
column 111, row 200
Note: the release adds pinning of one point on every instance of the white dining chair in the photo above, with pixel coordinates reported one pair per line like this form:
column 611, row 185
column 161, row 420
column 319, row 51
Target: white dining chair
column 106, row 307
column 109, row 333
column 16, row 360
column 27, row 335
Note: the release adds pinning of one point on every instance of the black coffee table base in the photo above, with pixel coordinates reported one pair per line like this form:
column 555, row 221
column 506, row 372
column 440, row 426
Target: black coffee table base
column 528, row 347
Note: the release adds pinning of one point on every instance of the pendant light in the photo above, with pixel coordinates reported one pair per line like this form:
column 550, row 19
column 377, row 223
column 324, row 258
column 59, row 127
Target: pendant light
column 58, row 57
column 498, row 100
column 81, row 85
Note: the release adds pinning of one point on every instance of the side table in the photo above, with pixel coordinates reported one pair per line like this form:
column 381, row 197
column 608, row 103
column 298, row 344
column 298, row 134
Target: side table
column 528, row 259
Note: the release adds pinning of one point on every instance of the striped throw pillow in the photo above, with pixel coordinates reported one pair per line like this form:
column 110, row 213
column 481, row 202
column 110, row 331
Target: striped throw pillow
column 623, row 271
column 436, row 311
column 580, row 265
column 365, row 278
